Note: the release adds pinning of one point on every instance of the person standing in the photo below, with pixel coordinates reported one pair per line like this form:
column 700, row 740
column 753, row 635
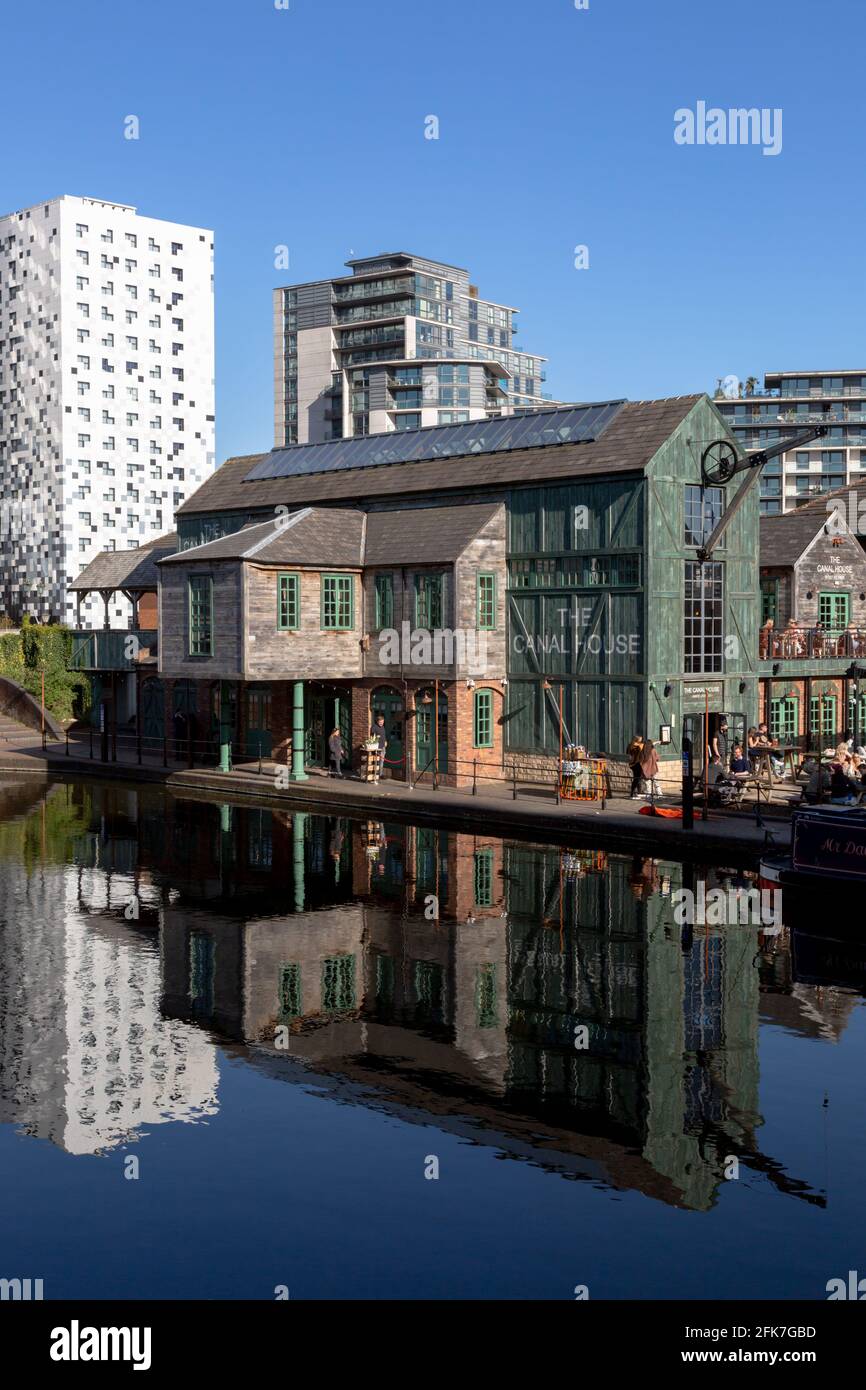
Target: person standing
column 335, row 748
column 378, row 733
column 649, row 766
column 634, row 753
column 719, row 744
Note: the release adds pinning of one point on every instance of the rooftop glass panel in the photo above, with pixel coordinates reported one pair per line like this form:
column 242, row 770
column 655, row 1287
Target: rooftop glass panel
column 573, row 424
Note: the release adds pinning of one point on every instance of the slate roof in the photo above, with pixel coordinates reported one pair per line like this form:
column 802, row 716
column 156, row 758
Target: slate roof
column 784, row 538
column 125, row 569
column 625, row 446
column 346, row 537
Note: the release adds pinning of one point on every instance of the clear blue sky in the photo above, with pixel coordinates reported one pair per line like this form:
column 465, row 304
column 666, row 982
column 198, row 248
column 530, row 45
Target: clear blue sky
column 306, row 127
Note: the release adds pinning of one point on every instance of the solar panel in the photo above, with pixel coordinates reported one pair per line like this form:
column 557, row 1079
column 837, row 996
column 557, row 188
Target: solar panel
column 570, row 424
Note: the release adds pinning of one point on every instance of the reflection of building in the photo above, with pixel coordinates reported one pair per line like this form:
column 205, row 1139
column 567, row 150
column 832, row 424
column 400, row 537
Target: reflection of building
column 85, row 1058
column 474, row 1017
column 543, row 1003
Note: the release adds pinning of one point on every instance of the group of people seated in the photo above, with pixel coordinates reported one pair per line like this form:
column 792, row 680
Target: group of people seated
column 841, row 780
column 729, row 766
column 792, row 641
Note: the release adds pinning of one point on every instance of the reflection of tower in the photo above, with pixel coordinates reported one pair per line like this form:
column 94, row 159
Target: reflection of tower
column 86, row 1058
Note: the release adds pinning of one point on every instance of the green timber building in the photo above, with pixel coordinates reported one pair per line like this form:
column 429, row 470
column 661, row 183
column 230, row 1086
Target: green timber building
column 585, row 526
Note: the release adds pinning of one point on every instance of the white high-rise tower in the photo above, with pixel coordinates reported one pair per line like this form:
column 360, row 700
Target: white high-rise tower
column 106, row 388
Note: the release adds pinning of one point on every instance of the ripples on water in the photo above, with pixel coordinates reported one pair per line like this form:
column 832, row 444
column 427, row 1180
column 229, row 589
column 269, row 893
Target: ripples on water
column 267, row 1012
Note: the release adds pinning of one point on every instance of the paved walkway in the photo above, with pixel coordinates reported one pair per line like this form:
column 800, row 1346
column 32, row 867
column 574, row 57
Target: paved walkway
column 533, row 811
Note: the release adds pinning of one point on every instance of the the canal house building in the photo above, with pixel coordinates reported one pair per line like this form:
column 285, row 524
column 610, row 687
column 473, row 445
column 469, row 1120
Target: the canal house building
column 813, row 627
column 558, row 551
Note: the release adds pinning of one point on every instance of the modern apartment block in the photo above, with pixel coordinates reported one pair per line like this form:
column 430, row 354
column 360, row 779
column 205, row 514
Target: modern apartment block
column 789, row 402
column 106, row 390
column 399, row 344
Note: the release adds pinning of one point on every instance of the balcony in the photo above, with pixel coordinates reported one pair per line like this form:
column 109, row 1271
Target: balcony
column 812, row 644
column 113, row 650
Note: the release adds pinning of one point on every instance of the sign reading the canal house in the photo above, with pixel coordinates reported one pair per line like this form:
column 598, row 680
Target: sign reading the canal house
column 696, row 697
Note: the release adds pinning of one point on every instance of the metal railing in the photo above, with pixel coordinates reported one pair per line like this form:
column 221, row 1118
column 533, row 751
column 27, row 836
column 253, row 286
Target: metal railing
column 811, row 643
column 110, row 649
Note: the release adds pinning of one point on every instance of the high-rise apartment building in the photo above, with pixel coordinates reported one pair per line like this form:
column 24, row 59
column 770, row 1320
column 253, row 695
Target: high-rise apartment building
column 790, row 402
column 399, row 344
column 106, row 389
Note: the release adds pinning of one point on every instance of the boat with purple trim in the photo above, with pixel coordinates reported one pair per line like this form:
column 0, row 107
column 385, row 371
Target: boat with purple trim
column 828, row 851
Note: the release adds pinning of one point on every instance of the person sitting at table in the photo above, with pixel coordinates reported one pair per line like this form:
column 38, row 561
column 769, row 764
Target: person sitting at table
column 770, row 746
column 818, row 638
column 739, row 762
column 766, row 639
column 818, row 786
column 841, row 789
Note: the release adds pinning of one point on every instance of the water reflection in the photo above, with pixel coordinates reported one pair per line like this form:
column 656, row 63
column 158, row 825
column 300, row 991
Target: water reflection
column 444, row 977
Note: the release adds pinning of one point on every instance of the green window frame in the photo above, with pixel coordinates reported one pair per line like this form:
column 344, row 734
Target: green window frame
column 290, row 990
column 834, row 609
column 482, row 719
column 338, row 602
column 288, row 602
column 485, row 598
column 200, row 606
column 428, row 600
column 785, row 717
column 827, row 707
column 384, row 615
column 485, row 995
column 338, row 983
column 769, row 600
column 483, row 877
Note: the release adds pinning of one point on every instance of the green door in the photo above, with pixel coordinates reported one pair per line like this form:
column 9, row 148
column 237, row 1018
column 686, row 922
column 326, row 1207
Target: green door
column 152, row 710
column 424, row 716
column 258, row 740
column 834, row 611
column 317, row 736
column 388, row 702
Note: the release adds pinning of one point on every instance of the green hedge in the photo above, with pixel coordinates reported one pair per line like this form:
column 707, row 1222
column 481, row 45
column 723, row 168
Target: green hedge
column 22, row 658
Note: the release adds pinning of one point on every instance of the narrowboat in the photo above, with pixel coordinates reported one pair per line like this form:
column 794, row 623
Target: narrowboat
column 827, row 861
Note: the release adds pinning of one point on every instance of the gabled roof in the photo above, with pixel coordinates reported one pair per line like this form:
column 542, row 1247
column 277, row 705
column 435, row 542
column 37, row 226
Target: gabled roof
column 784, row 538
column 345, row 537
column 125, row 569
column 626, row 445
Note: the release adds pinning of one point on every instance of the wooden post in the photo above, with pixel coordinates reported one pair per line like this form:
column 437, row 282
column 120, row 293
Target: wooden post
column 704, row 810
column 436, row 733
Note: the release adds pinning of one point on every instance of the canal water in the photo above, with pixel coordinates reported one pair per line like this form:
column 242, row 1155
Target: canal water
column 244, row 1053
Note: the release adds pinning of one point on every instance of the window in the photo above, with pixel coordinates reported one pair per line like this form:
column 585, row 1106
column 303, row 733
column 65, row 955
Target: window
column 338, row 983
column 486, row 601
column 769, row 600
column 200, row 615
column 288, row 602
column 483, row 877
column 703, row 615
column 482, row 719
column 338, row 602
column 428, row 600
column 834, row 610
column 785, row 717
column 384, row 601
column 485, row 985
column 703, row 511
column 825, row 708
column 290, row 991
